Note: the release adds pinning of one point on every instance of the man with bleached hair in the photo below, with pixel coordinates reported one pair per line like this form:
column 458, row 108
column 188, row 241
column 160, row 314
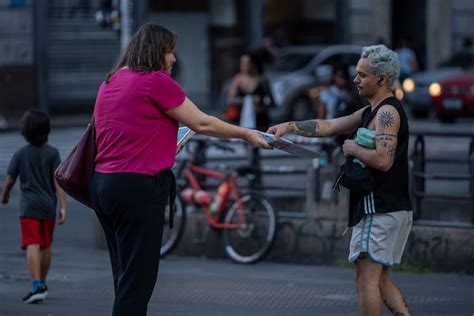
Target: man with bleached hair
column 381, row 220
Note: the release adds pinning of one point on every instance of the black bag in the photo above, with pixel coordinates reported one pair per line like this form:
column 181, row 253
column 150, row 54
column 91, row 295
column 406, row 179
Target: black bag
column 352, row 175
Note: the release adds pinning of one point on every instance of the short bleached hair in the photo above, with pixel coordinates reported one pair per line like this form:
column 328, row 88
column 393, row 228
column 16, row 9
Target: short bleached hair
column 382, row 61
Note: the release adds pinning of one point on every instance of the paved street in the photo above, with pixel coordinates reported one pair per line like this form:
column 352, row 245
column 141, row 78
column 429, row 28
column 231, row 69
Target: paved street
column 81, row 284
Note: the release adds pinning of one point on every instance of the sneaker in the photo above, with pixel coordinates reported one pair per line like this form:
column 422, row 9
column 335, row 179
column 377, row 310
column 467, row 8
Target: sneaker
column 34, row 297
column 44, row 289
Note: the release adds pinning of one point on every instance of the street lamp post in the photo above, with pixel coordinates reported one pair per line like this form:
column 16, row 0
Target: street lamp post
column 126, row 23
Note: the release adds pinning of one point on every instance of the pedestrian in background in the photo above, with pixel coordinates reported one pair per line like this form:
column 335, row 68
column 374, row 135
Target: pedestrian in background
column 249, row 86
column 35, row 164
column 249, row 99
column 137, row 113
column 335, row 100
column 407, row 58
column 381, row 220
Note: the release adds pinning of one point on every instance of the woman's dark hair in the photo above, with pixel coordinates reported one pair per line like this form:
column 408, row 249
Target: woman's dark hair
column 146, row 50
column 256, row 62
column 35, row 127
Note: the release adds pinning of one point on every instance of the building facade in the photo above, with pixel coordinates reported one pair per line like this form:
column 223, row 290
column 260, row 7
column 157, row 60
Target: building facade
column 54, row 54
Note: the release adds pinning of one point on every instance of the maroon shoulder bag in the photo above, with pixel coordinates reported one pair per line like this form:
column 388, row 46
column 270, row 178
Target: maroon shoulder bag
column 74, row 173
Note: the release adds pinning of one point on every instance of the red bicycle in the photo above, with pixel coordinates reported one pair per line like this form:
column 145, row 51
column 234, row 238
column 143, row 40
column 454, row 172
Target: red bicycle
column 248, row 220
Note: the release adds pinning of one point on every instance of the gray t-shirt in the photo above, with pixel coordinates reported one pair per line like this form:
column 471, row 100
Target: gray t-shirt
column 35, row 166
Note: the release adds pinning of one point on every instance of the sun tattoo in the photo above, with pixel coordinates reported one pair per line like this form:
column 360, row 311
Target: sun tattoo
column 386, row 119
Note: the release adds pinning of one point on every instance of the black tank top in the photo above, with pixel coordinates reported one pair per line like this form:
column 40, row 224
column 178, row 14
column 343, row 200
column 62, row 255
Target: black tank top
column 391, row 187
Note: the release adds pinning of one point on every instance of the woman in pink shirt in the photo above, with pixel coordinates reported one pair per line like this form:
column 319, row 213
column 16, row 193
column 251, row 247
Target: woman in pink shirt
column 137, row 114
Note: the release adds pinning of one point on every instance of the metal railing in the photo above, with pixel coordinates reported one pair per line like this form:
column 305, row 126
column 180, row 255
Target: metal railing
column 420, row 174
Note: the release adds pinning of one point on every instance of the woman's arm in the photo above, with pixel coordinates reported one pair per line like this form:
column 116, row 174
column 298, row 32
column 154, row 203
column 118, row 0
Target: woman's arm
column 232, row 92
column 190, row 115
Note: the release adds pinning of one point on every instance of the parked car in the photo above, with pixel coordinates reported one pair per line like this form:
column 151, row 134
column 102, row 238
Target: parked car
column 299, row 71
column 454, row 97
column 419, row 88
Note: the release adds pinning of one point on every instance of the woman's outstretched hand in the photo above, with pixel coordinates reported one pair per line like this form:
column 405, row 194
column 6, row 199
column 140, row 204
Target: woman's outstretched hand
column 255, row 140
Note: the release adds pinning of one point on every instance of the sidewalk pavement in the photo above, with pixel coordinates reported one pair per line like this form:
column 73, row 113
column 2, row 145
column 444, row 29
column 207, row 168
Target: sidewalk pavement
column 80, row 281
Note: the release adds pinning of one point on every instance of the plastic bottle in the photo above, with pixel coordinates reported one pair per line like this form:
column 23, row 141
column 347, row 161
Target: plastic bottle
column 202, row 197
column 221, row 199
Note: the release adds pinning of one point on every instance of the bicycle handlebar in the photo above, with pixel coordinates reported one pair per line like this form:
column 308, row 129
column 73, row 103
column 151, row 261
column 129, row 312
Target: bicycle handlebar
column 206, row 142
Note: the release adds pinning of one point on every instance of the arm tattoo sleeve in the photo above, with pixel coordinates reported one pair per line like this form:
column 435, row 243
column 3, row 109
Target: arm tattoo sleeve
column 386, row 119
column 385, row 137
column 308, row 128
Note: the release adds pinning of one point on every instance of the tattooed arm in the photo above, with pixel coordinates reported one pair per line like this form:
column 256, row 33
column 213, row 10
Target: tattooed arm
column 318, row 128
column 387, row 124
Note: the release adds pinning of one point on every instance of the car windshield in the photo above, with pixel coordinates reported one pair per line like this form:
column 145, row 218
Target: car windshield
column 462, row 59
column 291, row 62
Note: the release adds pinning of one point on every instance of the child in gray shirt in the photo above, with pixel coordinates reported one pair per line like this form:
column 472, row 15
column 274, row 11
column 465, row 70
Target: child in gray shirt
column 34, row 164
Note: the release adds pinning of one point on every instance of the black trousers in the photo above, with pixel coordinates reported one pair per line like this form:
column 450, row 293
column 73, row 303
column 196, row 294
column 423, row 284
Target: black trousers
column 131, row 209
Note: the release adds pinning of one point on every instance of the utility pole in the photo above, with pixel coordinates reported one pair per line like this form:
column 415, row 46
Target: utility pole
column 126, row 23
column 254, row 22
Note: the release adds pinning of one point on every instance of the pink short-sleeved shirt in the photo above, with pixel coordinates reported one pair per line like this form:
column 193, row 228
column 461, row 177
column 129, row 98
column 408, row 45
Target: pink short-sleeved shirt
column 133, row 134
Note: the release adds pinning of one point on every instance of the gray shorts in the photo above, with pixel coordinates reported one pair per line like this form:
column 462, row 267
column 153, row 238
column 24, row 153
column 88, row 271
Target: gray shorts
column 382, row 236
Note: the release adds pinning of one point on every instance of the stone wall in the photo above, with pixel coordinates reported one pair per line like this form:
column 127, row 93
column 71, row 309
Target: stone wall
column 322, row 241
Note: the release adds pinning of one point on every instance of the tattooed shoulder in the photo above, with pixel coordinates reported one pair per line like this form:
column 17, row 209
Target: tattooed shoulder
column 386, row 119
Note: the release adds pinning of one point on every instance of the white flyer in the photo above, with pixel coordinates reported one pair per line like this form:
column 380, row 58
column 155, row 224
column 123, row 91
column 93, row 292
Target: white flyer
column 288, row 146
column 184, row 135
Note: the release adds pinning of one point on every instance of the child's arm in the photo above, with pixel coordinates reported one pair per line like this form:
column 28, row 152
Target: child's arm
column 62, row 203
column 7, row 186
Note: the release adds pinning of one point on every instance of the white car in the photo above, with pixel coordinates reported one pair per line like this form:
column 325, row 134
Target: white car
column 300, row 68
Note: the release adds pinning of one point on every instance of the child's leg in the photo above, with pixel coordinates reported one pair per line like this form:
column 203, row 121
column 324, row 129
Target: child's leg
column 45, row 262
column 34, row 261
column 47, row 231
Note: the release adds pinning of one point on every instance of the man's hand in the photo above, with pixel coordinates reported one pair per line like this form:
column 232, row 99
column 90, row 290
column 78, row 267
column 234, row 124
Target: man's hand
column 349, row 147
column 279, row 130
column 62, row 216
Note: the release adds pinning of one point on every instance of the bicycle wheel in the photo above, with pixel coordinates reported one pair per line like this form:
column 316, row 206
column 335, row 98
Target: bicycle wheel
column 172, row 236
column 251, row 242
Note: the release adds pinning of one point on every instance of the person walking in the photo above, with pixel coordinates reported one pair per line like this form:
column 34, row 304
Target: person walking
column 381, row 220
column 35, row 164
column 137, row 113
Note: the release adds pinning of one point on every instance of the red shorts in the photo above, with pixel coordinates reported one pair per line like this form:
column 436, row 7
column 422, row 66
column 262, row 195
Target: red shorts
column 36, row 231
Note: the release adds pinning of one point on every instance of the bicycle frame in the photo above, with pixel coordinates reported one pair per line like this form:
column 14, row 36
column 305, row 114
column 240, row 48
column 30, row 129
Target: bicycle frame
column 191, row 170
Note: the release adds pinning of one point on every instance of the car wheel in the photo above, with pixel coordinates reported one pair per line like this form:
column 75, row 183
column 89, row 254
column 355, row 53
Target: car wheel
column 301, row 109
